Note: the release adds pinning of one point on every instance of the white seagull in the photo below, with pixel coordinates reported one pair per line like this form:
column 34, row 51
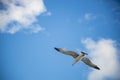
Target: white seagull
column 78, row 57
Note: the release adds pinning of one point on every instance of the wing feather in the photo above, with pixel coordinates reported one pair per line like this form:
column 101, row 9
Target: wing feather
column 71, row 53
column 89, row 63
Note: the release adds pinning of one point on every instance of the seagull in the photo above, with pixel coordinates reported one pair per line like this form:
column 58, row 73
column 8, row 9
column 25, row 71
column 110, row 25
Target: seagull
column 78, row 57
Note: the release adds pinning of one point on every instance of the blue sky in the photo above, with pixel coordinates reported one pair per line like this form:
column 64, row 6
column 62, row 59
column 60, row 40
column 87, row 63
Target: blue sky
column 29, row 31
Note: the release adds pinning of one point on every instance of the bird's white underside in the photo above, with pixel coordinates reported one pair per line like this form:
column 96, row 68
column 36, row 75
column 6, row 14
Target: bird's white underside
column 77, row 59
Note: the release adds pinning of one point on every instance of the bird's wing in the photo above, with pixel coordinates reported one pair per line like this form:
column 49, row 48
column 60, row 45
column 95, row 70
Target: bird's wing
column 71, row 53
column 89, row 63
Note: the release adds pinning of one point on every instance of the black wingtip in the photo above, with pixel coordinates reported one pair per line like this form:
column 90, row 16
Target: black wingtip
column 56, row 49
column 97, row 68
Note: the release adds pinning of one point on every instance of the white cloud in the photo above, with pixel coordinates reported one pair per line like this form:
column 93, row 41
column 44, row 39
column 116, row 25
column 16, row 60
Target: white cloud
column 104, row 54
column 20, row 12
column 14, row 29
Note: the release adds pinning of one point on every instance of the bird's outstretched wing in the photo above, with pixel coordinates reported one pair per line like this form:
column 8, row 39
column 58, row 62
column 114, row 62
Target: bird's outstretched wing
column 71, row 53
column 89, row 63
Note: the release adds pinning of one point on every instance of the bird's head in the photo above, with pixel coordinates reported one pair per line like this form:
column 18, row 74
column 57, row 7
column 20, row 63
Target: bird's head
column 84, row 53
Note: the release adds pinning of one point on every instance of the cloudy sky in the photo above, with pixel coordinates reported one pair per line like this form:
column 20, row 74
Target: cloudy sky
column 30, row 29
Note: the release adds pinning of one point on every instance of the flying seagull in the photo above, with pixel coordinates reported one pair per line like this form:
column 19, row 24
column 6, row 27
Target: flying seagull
column 78, row 57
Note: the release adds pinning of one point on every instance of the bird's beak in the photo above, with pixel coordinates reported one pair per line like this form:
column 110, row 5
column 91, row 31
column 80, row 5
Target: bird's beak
column 84, row 53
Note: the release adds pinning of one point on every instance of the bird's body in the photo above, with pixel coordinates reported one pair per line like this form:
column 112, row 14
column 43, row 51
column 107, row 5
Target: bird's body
column 78, row 57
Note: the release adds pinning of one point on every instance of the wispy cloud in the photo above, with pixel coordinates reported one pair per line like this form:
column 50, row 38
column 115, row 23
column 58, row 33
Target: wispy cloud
column 47, row 14
column 104, row 54
column 89, row 16
column 16, row 15
column 36, row 28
